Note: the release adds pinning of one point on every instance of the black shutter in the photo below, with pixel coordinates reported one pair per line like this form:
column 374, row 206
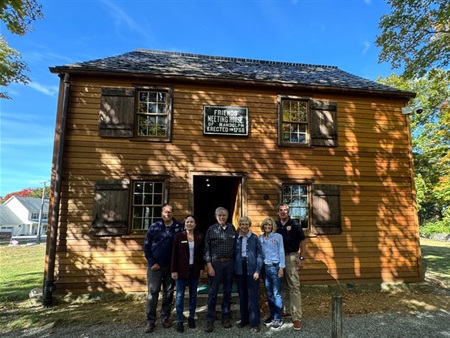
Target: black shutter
column 323, row 127
column 326, row 206
column 117, row 112
column 110, row 210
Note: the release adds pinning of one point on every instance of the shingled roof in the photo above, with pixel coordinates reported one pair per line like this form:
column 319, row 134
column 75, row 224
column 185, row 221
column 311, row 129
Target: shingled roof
column 195, row 66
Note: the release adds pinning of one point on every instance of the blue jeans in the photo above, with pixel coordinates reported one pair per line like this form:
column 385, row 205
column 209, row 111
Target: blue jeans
column 273, row 290
column 179, row 300
column 154, row 281
column 224, row 275
column 248, row 289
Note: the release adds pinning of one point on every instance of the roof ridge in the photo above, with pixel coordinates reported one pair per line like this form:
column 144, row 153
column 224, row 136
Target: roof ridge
column 227, row 58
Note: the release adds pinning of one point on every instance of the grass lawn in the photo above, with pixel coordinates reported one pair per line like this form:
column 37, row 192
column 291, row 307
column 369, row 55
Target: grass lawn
column 436, row 260
column 22, row 269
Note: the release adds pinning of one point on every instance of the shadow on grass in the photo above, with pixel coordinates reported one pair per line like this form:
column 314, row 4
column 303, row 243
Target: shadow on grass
column 20, row 287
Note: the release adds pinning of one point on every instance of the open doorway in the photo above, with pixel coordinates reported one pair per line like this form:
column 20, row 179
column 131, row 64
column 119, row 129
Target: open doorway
column 211, row 192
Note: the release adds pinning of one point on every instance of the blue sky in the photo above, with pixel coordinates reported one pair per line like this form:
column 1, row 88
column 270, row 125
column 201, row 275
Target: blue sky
column 326, row 32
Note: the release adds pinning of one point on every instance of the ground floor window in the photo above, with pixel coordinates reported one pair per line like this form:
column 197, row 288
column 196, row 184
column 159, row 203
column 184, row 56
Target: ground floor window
column 148, row 198
column 296, row 196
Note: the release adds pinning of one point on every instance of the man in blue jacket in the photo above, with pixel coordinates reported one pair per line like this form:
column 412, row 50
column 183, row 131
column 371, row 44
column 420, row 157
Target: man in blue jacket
column 158, row 252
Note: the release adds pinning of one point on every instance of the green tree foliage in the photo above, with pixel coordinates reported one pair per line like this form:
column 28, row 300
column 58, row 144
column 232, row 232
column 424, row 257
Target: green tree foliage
column 416, row 36
column 431, row 141
column 17, row 16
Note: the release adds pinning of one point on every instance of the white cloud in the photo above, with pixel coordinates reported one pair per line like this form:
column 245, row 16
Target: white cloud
column 47, row 90
column 121, row 17
column 366, row 46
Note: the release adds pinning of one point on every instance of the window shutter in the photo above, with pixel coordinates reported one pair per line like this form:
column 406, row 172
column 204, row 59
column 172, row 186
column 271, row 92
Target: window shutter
column 326, row 209
column 323, row 127
column 116, row 112
column 110, row 211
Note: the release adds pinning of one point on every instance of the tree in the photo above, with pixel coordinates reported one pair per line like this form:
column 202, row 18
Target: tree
column 416, row 35
column 431, row 141
column 18, row 16
column 27, row 192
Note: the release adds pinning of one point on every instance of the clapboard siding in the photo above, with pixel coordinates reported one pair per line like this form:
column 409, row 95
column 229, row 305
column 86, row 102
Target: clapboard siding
column 371, row 164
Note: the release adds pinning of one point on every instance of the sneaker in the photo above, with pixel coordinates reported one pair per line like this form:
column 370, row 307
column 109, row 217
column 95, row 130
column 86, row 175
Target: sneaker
column 209, row 327
column 226, row 323
column 150, row 327
column 297, row 325
column 180, row 327
column 276, row 325
column 256, row 329
column 268, row 321
column 191, row 323
column 166, row 322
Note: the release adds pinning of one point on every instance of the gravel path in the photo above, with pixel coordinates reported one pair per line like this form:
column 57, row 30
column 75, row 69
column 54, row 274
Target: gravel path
column 433, row 324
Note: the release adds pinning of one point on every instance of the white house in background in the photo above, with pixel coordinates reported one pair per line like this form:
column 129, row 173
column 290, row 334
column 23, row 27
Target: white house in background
column 27, row 209
column 9, row 223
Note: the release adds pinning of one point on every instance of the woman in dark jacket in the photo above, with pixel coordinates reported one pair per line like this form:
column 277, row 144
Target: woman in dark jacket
column 187, row 267
column 247, row 266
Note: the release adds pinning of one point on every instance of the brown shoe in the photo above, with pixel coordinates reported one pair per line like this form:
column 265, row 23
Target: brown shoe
column 166, row 322
column 150, row 327
column 297, row 325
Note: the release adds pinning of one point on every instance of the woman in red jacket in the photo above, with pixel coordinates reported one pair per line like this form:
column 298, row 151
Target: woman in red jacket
column 187, row 267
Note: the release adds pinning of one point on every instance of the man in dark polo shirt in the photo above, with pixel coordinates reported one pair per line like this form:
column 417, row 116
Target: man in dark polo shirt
column 219, row 254
column 295, row 249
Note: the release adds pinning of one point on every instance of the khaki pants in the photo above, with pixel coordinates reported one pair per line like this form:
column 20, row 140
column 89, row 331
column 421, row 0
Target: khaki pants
column 292, row 297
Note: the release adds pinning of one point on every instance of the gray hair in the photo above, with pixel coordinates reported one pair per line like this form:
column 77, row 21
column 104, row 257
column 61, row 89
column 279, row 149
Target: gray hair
column 219, row 209
column 245, row 219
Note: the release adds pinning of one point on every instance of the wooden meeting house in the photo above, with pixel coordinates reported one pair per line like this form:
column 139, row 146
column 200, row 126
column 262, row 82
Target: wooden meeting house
column 147, row 127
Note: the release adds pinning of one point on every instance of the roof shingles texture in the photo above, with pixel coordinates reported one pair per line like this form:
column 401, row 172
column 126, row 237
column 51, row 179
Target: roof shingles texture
column 210, row 67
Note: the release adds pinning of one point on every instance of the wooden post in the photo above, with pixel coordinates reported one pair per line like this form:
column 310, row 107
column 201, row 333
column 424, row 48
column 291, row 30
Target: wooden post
column 336, row 314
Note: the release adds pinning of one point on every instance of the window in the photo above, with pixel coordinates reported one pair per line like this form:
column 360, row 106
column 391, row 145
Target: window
column 143, row 113
column 35, row 215
column 148, row 199
column 305, row 122
column 294, row 121
column 152, row 114
column 112, row 215
column 296, row 196
column 314, row 206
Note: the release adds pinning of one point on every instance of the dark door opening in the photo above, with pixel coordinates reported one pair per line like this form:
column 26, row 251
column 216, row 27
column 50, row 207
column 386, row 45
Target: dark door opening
column 211, row 192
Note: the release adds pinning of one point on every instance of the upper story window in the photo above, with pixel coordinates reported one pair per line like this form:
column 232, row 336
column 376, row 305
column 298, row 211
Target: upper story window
column 143, row 113
column 306, row 122
column 294, row 120
column 34, row 215
column 152, row 114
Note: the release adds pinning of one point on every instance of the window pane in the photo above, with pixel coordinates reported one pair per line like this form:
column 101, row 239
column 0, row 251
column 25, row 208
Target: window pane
column 157, row 199
column 158, row 187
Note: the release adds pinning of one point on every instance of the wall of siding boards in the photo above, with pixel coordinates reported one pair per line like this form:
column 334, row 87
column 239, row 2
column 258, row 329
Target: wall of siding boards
column 372, row 166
